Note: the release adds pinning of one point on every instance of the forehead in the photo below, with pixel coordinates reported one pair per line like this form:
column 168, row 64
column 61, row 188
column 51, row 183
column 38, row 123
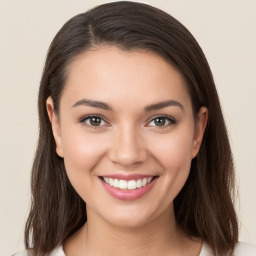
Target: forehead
column 112, row 74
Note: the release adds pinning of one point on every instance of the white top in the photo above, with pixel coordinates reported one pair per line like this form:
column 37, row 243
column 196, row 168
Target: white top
column 241, row 249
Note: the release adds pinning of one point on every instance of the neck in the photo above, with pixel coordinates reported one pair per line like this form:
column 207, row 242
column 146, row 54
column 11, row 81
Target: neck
column 161, row 236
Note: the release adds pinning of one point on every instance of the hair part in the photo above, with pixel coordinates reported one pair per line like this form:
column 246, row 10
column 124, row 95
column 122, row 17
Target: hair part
column 204, row 207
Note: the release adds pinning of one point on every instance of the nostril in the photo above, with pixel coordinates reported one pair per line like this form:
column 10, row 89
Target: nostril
column 127, row 156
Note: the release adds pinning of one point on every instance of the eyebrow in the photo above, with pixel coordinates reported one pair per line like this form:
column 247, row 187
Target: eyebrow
column 92, row 103
column 163, row 104
column 102, row 105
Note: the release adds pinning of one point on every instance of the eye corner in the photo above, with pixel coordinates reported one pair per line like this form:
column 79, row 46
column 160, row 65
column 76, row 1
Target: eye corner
column 163, row 121
column 94, row 121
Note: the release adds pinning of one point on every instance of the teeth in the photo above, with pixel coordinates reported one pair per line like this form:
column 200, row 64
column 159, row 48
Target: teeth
column 122, row 184
column 116, row 183
column 139, row 183
column 130, row 185
column 144, row 182
column 111, row 182
column 149, row 179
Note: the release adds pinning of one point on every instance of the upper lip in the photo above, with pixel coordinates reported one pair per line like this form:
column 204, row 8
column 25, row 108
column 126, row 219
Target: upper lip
column 127, row 176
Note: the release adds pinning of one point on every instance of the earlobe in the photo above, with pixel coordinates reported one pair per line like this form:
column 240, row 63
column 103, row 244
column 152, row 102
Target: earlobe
column 200, row 125
column 55, row 125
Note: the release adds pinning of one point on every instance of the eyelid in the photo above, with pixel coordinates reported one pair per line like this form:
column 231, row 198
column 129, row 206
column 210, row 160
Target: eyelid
column 171, row 119
column 86, row 117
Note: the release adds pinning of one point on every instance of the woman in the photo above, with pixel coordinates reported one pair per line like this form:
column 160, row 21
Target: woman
column 133, row 156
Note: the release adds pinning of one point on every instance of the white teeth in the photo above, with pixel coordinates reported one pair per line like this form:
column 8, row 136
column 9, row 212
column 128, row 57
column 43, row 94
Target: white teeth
column 139, row 183
column 144, row 182
column 111, row 182
column 123, row 184
column 130, row 185
column 116, row 183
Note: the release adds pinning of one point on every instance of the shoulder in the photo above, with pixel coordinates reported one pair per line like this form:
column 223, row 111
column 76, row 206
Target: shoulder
column 241, row 249
column 57, row 252
column 244, row 249
column 22, row 253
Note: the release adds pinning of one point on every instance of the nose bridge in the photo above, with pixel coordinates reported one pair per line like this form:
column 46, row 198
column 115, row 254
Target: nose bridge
column 128, row 147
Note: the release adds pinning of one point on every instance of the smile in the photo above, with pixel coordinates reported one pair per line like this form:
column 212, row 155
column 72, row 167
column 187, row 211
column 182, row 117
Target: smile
column 127, row 184
column 128, row 187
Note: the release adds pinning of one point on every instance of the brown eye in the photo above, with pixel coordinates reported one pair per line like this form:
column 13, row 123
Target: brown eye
column 161, row 121
column 94, row 121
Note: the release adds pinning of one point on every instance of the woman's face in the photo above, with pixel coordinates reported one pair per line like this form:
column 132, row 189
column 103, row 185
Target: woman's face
column 127, row 134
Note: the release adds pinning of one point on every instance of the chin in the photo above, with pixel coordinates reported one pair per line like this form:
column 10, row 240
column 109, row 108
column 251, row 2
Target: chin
column 130, row 217
column 128, row 222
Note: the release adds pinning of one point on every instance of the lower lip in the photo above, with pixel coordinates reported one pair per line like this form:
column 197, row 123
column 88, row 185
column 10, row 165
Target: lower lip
column 128, row 194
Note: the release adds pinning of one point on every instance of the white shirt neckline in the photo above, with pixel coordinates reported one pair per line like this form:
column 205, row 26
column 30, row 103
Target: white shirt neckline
column 241, row 249
column 205, row 251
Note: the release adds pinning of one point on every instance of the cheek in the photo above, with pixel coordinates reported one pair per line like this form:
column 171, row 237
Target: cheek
column 174, row 156
column 82, row 152
column 174, row 149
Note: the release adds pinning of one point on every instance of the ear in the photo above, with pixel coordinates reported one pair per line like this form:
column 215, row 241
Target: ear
column 200, row 125
column 55, row 126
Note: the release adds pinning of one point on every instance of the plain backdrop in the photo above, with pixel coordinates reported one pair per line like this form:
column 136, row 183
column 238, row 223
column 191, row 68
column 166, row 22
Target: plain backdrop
column 226, row 30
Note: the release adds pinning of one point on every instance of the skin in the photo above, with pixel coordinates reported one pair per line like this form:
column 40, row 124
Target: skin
column 127, row 140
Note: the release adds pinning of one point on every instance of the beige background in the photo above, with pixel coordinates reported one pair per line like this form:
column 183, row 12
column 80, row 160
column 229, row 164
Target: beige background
column 226, row 30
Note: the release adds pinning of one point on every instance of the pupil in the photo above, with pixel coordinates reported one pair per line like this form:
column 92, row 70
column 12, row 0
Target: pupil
column 159, row 121
column 95, row 121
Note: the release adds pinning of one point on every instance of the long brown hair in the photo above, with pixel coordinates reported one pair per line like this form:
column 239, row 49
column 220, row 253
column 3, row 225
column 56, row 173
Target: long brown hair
column 204, row 207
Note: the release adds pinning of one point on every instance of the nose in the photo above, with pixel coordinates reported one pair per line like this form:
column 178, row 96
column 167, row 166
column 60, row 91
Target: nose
column 128, row 148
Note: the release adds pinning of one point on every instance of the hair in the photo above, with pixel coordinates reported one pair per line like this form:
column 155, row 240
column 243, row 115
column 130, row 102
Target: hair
column 204, row 207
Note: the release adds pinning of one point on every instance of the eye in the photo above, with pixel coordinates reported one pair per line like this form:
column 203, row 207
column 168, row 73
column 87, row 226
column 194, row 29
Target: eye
column 161, row 121
column 94, row 121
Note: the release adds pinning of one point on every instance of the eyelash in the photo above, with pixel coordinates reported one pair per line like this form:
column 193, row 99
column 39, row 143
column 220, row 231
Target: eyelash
column 88, row 118
column 168, row 119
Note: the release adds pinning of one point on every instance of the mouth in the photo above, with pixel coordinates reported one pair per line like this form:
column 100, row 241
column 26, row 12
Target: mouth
column 128, row 184
column 128, row 189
